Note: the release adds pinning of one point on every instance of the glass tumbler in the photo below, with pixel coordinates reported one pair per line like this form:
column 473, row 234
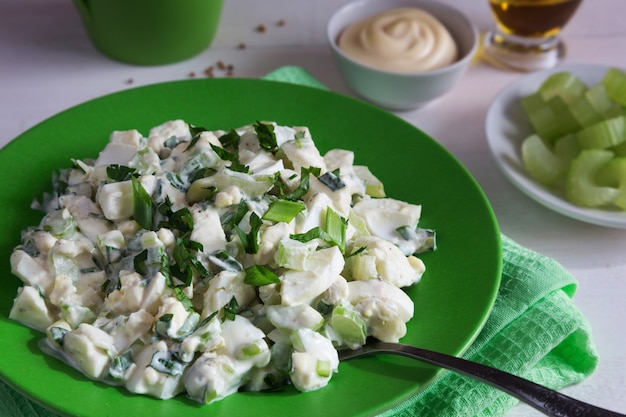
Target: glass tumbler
column 526, row 36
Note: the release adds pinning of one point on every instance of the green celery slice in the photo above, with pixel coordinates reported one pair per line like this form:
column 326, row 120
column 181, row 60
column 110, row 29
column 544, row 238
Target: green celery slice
column 604, row 134
column 552, row 119
column 541, row 162
column 619, row 150
column 613, row 174
column 582, row 187
column 349, row 325
column 584, row 111
column 601, row 102
column 564, row 84
column 615, row 83
column 567, row 148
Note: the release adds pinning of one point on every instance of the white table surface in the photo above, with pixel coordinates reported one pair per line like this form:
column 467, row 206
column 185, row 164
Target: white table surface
column 47, row 65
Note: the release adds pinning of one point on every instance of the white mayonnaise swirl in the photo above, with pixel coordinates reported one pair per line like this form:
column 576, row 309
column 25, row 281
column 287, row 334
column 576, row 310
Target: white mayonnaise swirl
column 402, row 40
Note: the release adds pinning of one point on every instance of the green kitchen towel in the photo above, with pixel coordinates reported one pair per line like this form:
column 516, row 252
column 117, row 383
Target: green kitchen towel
column 534, row 331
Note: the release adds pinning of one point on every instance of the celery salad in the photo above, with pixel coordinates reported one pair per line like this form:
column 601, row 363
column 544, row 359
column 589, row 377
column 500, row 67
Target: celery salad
column 200, row 263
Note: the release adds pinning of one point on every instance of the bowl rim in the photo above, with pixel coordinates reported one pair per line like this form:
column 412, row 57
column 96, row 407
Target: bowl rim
column 332, row 35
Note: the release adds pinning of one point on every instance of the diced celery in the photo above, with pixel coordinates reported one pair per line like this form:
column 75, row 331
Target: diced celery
column 620, row 149
column 602, row 102
column 613, row 174
column 615, row 83
column 584, row 111
column 349, row 325
column 567, row 148
column 64, row 265
column 292, row 253
column 582, row 188
column 541, row 161
column 59, row 223
column 604, row 134
column 553, row 119
column 564, row 84
column 323, row 368
column 532, row 101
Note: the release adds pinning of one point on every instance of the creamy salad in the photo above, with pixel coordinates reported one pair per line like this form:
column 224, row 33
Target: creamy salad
column 204, row 262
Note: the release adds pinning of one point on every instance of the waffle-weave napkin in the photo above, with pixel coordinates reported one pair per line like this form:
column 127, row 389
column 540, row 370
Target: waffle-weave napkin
column 534, row 331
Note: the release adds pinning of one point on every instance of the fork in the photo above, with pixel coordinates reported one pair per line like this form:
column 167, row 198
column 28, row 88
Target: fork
column 549, row 402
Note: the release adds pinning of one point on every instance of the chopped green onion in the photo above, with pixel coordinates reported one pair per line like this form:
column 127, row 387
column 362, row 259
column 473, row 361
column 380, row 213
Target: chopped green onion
column 332, row 180
column 142, row 205
column 303, row 187
column 266, row 135
column 163, row 324
column 335, row 233
column 314, row 233
column 230, row 139
column 195, row 136
column 232, row 157
column 119, row 172
column 166, row 363
column 225, row 261
column 336, row 229
column 231, row 309
column 259, row 275
column 283, row 210
column 250, row 241
column 120, row 364
column 57, row 334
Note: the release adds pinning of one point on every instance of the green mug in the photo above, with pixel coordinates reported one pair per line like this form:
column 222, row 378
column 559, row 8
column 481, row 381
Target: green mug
column 150, row 32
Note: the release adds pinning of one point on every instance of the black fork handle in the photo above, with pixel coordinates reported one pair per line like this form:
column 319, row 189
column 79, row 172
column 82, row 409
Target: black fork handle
column 549, row 402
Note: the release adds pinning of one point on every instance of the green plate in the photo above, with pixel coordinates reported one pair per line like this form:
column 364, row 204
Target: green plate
column 452, row 301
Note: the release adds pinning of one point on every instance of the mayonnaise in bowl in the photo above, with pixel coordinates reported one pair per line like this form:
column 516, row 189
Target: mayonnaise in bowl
column 405, row 39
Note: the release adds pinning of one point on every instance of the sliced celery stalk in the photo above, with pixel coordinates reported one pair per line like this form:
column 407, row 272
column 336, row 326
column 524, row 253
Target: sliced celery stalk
column 567, row 148
column 552, row 119
column 620, row 149
column 613, row 174
column 564, row 84
column 349, row 326
column 604, row 134
column 584, row 111
column 615, row 83
column 601, row 101
column 582, row 187
column 541, row 161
